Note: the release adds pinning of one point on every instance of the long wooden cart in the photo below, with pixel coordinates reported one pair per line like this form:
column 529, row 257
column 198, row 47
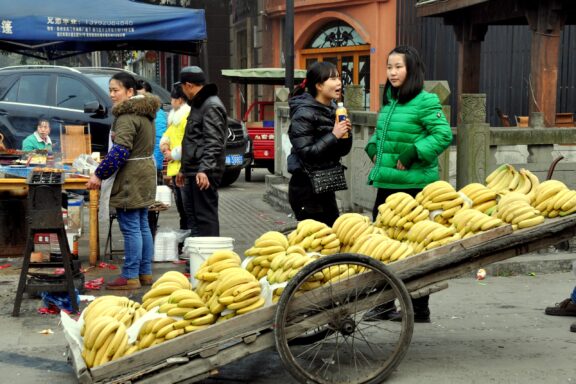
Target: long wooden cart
column 323, row 335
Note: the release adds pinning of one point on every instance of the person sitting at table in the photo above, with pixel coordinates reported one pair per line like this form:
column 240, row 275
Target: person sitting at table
column 39, row 139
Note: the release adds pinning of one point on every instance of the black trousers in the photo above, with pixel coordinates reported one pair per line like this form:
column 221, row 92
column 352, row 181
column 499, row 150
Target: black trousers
column 201, row 208
column 307, row 205
column 179, row 204
column 383, row 194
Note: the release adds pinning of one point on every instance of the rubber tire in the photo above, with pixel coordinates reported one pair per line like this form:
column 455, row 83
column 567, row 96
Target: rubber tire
column 229, row 177
column 283, row 345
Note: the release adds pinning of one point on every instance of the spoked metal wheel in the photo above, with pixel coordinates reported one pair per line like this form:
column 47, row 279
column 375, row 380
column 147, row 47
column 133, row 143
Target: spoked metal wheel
column 352, row 347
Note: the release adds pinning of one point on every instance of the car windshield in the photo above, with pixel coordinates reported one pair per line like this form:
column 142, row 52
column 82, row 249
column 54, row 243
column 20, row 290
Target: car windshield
column 102, row 80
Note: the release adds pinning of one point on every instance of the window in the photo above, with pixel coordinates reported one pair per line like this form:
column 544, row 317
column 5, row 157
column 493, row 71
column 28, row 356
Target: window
column 73, row 94
column 338, row 43
column 30, row 89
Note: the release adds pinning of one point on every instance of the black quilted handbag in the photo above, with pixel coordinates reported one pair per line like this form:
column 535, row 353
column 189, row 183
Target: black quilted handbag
column 328, row 180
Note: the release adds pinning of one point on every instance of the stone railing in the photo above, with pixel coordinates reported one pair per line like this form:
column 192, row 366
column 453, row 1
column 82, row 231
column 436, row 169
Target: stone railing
column 476, row 154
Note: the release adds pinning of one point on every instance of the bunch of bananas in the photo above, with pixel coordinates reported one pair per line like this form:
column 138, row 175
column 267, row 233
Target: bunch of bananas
column 119, row 308
column 340, row 272
column 160, row 291
column 161, row 329
column 469, row 222
column 428, row 234
column 440, row 196
column 382, row 248
column 267, row 247
column 209, row 271
column 561, row 204
column 105, row 340
column 506, row 178
column 483, row 198
column 349, row 227
column 284, row 268
column 315, row 236
column 546, row 196
column 237, row 292
column 398, row 214
column 514, row 208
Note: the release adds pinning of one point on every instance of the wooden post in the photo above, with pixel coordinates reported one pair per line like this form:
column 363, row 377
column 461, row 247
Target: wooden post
column 94, row 228
column 546, row 20
column 473, row 141
column 470, row 37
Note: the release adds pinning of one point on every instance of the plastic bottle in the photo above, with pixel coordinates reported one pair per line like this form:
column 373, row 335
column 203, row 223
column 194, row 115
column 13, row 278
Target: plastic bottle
column 341, row 115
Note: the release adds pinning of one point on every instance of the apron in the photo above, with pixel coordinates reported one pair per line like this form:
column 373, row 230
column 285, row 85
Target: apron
column 106, row 191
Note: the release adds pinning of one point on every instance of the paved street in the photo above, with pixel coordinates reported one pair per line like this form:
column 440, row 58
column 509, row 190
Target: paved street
column 489, row 331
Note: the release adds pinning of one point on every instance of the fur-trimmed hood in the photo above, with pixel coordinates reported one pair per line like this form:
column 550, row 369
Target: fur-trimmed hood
column 143, row 105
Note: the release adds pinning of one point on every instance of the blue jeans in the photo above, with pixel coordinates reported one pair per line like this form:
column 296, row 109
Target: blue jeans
column 138, row 242
column 573, row 296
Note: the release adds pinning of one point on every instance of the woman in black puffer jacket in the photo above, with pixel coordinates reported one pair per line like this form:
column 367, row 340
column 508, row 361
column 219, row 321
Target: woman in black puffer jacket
column 317, row 141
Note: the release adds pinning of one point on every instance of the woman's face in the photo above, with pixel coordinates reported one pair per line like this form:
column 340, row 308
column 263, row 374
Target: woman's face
column 396, row 70
column 329, row 90
column 118, row 92
column 176, row 103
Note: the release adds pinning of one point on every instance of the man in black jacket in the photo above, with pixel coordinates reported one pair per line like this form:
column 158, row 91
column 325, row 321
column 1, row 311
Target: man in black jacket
column 203, row 156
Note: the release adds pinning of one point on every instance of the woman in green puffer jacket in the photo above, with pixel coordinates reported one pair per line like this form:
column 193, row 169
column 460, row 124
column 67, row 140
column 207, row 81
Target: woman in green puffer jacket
column 411, row 132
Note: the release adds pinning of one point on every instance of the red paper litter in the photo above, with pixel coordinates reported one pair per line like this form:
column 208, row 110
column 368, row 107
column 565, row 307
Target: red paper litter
column 51, row 310
column 179, row 262
column 3, row 266
column 95, row 284
column 106, row 265
column 187, row 275
column 59, row 271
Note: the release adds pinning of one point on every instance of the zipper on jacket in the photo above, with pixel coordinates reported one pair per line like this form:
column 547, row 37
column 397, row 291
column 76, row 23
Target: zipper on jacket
column 380, row 145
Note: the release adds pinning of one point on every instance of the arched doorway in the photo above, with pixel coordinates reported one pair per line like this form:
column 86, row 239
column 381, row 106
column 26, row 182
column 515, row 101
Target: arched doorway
column 340, row 44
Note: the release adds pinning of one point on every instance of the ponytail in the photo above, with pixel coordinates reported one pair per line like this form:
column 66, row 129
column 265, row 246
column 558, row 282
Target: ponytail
column 299, row 89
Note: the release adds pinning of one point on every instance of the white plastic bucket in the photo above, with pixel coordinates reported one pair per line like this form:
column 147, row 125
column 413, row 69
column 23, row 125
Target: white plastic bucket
column 164, row 194
column 198, row 249
column 165, row 246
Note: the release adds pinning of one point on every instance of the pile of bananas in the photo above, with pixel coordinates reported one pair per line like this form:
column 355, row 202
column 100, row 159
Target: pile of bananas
column 428, row 234
column 120, row 308
column 514, row 208
column 161, row 329
column 209, row 272
column 469, row 222
column 349, row 227
column 382, row 248
column 553, row 198
column 440, row 195
column 506, row 178
column 105, row 340
column 315, row 236
column 160, row 291
column 483, row 198
column 267, row 247
column 398, row 214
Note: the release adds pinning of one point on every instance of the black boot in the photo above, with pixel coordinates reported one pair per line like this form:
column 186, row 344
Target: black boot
column 421, row 310
column 381, row 312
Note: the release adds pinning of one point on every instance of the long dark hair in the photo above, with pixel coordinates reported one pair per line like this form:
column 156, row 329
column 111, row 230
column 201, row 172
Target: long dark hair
column 414, row 82
column 127, row 80
column 318, row 73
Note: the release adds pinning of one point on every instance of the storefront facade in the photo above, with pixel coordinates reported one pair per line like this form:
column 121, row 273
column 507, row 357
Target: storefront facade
column 356, row 35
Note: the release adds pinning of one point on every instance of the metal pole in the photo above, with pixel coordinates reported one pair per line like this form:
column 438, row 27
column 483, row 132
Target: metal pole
column 289, row 44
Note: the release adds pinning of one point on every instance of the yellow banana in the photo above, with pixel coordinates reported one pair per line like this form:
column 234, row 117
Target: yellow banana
column 175, row 333
column 164, row 330
column 496, row 172
column 251, row 307
column 175, row 277
column 146, row 341
column 191, row 303
column 110, row 327
column 162, row 323
column 177, row 312
column 203, row 320
column 531, row 222
column 195, row 313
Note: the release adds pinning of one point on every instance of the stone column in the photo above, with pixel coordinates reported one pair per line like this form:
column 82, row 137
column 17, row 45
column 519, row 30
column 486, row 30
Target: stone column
column 473, row 140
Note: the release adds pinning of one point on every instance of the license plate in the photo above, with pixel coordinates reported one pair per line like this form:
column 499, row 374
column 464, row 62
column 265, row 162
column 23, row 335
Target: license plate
column 234, row 159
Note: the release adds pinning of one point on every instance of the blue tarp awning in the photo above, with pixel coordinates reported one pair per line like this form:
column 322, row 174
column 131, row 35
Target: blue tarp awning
column 58, row 28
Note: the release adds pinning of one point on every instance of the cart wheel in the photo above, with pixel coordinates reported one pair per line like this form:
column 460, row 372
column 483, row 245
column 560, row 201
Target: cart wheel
column 350, row 348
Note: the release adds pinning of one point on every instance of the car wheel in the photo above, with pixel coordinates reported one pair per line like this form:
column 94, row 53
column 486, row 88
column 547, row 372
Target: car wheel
column 270, row 167
column 229, row 177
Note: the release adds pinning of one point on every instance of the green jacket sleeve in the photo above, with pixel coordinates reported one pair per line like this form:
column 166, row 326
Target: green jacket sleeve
column 439, row 133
